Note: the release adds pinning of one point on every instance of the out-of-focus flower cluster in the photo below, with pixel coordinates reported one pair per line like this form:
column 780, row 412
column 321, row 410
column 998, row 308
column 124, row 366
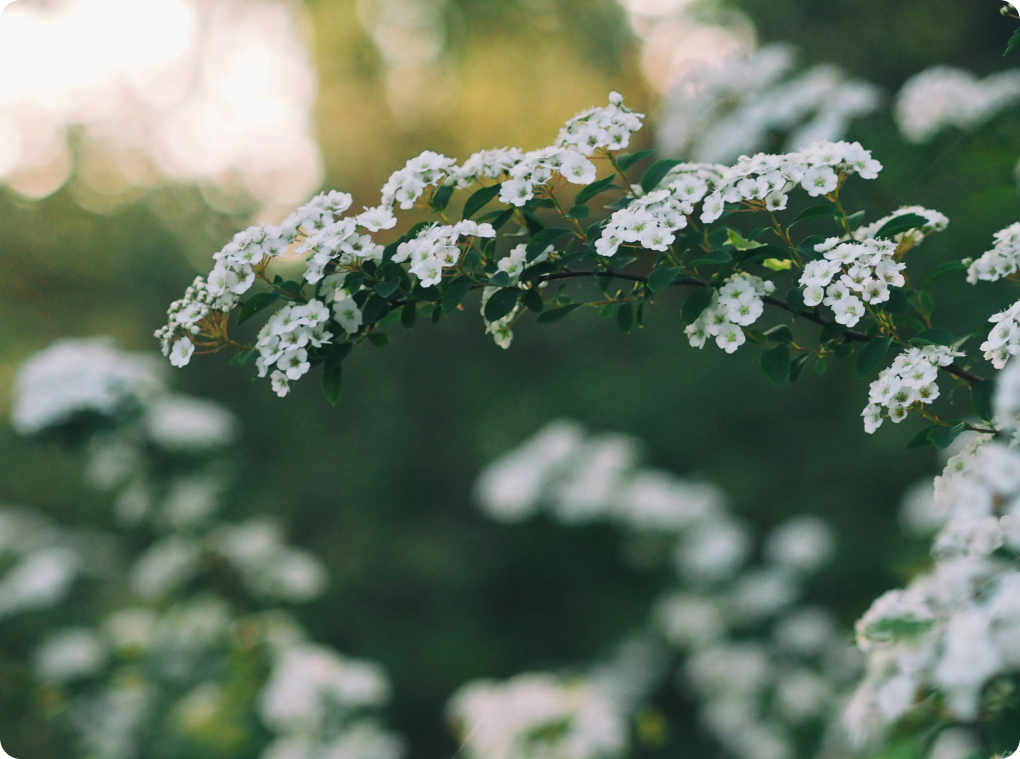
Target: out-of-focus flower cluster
column 956, row 627
column 766, row 672
column 724, row 109
column 197, row 653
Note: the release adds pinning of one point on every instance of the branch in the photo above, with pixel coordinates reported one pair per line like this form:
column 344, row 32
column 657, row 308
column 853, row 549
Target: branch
column 849, row 335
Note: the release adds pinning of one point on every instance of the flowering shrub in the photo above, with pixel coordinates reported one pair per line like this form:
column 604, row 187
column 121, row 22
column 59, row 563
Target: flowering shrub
column 662, row 232
column 198, row 652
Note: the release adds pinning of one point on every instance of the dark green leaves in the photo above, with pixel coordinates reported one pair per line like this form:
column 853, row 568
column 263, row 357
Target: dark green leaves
column 625, row 317
column 441, row 197
column 696, row 304
column 943, row 437
column 337, row 356
column 454, row 293
column 243, row 357
column 981, row 394
column 533, row 301
column 379, row 339
column 920, row 440
column 500, row 279
column 479, row 199
column 935, row 336
column 626, row 160
column 775, row 363
column 254, row 304
column 901, row 224
column 556, row 314
column 1014, row 43
column 500, row 304
column 579, row 212
column 589, row 192
column 814, row 212
column 332, row 381
column 542, row 240
column 949, row 267
column 871, row 355
column 660, row 279
column 712, row 258
column 656, row 173
column 408, row 314
column 386, row 289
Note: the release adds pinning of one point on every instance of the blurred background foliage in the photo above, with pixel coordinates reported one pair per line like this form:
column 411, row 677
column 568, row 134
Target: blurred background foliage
column 380, row 487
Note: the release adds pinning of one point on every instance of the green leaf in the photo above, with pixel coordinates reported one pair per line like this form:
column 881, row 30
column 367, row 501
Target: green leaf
column 933, row 336
column 797, row 366
column 814, row 212
column 625, row 317
column 696, row 304
column 626, row 160
column 1013, row 44
column 855, row 219
column 579, row 212
column 656, row 173
column 554, row 315
column 943, row 437
column 780, row 334
column 775, row 362
column 949, row 267
column 897, row 303
column 441, row 198
column 437, row 314
column 480, row 198
column 501, row 303
column 386, row 289
column 337, row 355
column 375, row 309
column 795, row 299
column 660, row 279
column 379, row 339
column 740, row 243
column 500, row 279
column 254, row 304
column 920, row 440
column 871, row 356
column 332, row 381
column 408, row 314
column 454, row 293
column 901, row 224
column 712, row 258
column 776, row 264
column 502, row 218
column 533, row 301
column 821, row 365
column 243, row 357
column 590, row 191
column 542, row 240
column 807, row 246
column 981, row 395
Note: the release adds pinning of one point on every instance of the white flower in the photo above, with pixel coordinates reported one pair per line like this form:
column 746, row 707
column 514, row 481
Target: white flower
column 181, row 352
column 347, row 315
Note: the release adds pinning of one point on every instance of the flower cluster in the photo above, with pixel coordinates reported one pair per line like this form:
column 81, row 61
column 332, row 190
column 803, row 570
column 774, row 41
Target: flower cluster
column 41, row 562
column 537, row 715
column 934, row 222
column 606, row 128
column 910, row 380
column 955, row 627
column 851, row 274
column 737, row 304
column 408, row 184
column 999, row 262
column 285, row 339
column 176, row 660
column 764, row 670
column 436, row 249
column 652, row 221
column 721, row 111
column 943, row 97
column 763, row 179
